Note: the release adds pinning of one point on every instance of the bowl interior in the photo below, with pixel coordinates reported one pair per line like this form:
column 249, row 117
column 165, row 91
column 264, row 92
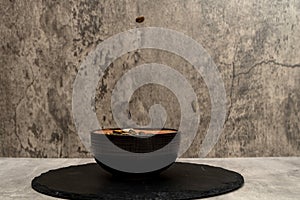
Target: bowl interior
column 122, row 132
column 136, row 140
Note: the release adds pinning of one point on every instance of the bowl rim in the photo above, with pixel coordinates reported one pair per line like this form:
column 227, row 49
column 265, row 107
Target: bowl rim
column 99, row 131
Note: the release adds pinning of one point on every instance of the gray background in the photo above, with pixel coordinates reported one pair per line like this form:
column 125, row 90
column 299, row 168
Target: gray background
column 255, row 45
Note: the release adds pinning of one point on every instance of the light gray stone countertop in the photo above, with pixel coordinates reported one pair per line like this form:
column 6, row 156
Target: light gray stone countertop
column 265, row 178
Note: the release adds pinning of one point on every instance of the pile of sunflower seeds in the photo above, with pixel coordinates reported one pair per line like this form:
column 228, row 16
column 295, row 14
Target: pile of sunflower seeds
column 128, row 132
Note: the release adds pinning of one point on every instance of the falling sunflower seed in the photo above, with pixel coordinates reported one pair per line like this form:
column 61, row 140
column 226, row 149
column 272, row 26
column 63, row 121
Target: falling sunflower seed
column 195, row 106
column 140, row 19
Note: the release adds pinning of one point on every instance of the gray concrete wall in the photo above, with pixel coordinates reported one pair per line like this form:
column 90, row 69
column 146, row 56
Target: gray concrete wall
column 255, row 44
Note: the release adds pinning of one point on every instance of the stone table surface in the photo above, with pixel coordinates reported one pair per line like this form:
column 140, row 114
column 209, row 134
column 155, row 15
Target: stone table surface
column 265, row 178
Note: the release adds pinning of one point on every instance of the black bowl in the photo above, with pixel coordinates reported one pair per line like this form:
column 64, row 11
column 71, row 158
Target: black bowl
column 137, row 141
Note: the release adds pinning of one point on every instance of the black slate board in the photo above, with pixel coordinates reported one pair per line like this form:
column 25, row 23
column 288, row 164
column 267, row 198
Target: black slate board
column 180, row 181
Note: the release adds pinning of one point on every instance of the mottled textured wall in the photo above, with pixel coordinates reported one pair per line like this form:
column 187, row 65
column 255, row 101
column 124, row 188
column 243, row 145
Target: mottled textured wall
column 255, row 44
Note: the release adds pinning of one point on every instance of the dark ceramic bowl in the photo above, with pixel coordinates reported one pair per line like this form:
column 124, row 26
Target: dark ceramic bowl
column 137, row 141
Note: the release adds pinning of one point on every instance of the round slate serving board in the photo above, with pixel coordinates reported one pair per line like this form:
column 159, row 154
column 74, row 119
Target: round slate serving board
column 180, row 181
